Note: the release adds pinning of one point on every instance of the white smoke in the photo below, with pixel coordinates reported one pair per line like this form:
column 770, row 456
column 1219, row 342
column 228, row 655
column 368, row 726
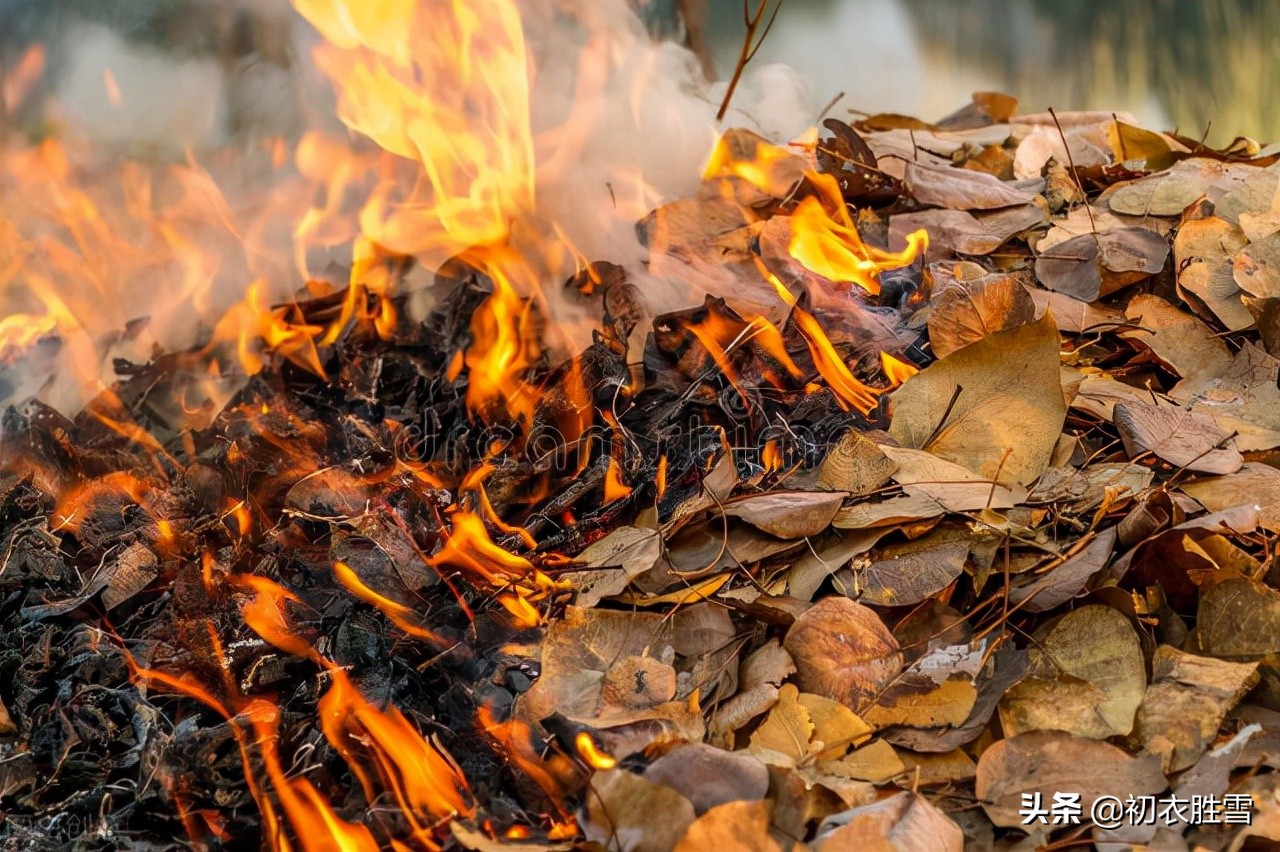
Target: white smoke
column 644, row 124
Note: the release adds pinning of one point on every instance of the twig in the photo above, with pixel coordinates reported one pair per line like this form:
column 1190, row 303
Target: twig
column 750, row 44
column 830, row 106
column 1074, row 175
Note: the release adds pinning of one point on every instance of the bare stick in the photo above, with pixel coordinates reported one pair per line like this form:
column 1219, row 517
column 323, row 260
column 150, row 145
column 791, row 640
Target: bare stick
column 1074, row 176
column 750, row 44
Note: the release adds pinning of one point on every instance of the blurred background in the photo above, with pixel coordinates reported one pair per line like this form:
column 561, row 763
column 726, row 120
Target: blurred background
column 214, row 71
column 1172, row 63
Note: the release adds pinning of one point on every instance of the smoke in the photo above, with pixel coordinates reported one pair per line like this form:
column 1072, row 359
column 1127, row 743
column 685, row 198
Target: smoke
column 620, row 125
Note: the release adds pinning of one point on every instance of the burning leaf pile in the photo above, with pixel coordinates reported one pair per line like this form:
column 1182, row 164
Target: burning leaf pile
column 958, row 498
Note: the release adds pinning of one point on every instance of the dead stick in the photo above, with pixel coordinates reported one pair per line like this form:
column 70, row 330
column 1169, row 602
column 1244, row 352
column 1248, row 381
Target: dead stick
column 1074, row 175
column 752, row 21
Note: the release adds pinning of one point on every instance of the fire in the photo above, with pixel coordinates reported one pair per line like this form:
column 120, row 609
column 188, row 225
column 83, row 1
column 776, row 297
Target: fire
column 591, row 753
column 829, row 245
column 442, row 89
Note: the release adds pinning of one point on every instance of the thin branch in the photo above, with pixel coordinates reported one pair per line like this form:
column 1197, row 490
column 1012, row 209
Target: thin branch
column 750, row 44
column 1074, row 174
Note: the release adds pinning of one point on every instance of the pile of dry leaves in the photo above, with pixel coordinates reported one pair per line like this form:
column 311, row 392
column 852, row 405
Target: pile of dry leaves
column 1052, row 573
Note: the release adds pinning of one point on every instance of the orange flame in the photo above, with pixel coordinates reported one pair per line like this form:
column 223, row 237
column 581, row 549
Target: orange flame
column 895, row 370
column 829, row 244
column 592, row 753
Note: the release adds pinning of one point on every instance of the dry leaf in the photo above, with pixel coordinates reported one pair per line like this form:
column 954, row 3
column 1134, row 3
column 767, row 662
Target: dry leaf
column 1008, row 409
column 1093, row 265
column 1180, row 437
column 835, row 727
column 783, row 738
column 812, row 569
column 1244, row 399
column 965, row 189
column 1238, row 619
column 1203, row 252
column 967, row 311
column 708, row 776
column 1170, row 192
column 924, row 706
column 1139, row 147
column 842, row 650
column 933, row 770
column 627, row 813
column 787, row 514
column 1087, row 677
column 876, row 762
column 962, row 232
column 1066, row 580
column 1187, row 700
column 904, row 822
column 619, row 557
column 1254, row 484
column 855, row 465
column 1256, row 267
column 905, row 573
column 955, row 488
column 1050, row 762
column 1178, row 339
column 1072, row 315
column 733, row 825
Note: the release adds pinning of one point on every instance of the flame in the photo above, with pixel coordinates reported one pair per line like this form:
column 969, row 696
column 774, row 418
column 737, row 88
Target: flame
column 591, row 753
column 829, row 245
column 552, row 774
column 469, row 549
column 399, row 614
column 895, row 370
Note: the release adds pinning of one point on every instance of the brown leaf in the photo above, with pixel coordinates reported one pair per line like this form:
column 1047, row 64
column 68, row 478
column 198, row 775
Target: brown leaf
column 602, row 667
column 876, row 762
column 904, row 822
column 843, row 650
column 783, row 738
column 1187, row 700
column 630, row 814
column 619, row 557
column 787, row 514
column 1072, row 315
column 1178, row 339
column 1049, row 762
column 733, row 825
column 1180, row 437
column 1238, row 619
column 1203, row 253
column 1256, row 267
column 905, row 573
column 811, row 569
column 960, row 232
column 1253, row 484
column 1008, row 405
column 1170, row 192
column 1087, row 677
column 967, row 311
column 855, row 465
column 928, row 706
column 1093, row 265
column 1244, row 399
column 964, row 189
column 1067, row 579
column 708, row 776
column 954, row 487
